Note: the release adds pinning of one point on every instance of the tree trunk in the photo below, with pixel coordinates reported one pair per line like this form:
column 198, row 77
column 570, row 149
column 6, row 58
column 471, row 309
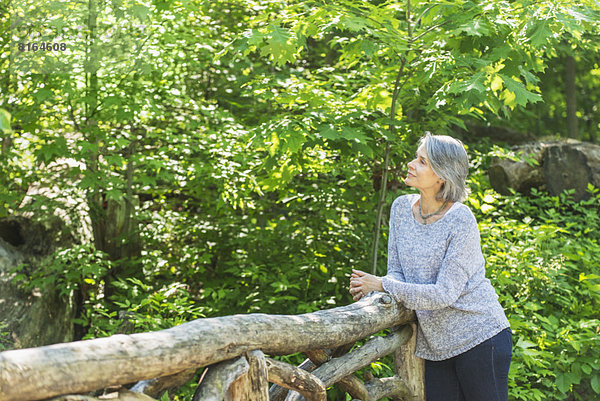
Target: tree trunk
column 571, row 98
column 94, row 198
column 38, row 373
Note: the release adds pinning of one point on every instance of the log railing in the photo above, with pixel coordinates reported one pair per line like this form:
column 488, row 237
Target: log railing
column 233, row 348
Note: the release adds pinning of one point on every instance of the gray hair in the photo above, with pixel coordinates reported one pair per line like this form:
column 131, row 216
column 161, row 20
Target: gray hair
column 449, row 161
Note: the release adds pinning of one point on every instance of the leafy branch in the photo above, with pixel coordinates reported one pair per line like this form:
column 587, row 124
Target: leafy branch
column 386, row 163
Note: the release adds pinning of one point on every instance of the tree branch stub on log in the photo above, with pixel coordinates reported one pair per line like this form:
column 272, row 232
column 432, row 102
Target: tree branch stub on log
column 393, row 387
column 77, row 367
column 278, row 393
column 292, row 377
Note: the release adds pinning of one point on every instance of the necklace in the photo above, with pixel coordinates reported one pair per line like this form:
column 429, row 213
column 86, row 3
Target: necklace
column 428, row 215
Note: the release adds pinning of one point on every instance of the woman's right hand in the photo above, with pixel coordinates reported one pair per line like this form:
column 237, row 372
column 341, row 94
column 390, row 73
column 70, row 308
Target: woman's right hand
column 355, row 288
column 356, row 294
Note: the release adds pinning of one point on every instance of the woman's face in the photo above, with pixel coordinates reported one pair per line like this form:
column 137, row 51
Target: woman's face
column 420, row 175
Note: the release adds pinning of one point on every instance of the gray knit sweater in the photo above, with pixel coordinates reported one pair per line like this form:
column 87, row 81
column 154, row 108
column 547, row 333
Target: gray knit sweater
column 439, row 271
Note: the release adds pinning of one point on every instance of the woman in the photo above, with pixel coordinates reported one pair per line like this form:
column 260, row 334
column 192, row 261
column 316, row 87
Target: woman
column 435, row 266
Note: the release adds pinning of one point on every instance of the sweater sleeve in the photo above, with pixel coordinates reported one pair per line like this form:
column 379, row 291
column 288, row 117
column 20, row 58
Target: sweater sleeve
column 462, row 258
column 394, row 268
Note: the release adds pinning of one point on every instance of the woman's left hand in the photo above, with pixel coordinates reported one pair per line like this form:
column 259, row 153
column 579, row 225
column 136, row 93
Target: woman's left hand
column 362, row 283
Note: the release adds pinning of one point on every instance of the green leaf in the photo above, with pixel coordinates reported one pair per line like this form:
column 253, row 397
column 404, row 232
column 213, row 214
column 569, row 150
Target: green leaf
column 294, row 141
column 328, row 131
column 529, row 77
column 140, row 11
column 42, row 94
column 474, row 28
column 475, row 83
column 595, row 382
column 353, row 23
column 161, row 5
column 112, row 100
column 279, row 46
column 562, row 382
column 363, row 148
column 539, row 33
column 114, row 194
column 254, row 37
column 353, row 135
column 521, row 95
column 500, row 52
column 52, row 150
column 4, row 120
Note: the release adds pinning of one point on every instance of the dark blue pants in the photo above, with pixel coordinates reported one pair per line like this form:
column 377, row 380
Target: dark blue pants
column 479, row 374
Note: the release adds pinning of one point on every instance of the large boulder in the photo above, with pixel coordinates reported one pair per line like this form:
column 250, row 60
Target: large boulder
column 38, row 317
column 554, row 166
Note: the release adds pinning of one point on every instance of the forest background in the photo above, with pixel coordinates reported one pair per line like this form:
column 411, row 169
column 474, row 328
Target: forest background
column 220, row 157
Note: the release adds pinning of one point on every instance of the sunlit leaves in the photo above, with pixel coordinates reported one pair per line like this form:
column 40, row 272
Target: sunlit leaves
column 539, row 33
column 279, row 45
column 475, row 27
column 4, row 120
column 460, row 58
column 275, row 42
column 540, row 267
column 517, row 93
column 52, row 149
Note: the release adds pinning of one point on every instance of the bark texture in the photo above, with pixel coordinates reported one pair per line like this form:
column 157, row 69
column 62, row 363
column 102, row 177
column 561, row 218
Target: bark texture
column 393, row 387
column 410, row 367
column 217, row 382
column 278, row 393
column 157, row 386
column 78, row 367
column 292, row 377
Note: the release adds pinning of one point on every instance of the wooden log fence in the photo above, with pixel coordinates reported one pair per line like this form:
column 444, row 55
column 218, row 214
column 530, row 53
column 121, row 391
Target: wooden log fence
column 236, row 352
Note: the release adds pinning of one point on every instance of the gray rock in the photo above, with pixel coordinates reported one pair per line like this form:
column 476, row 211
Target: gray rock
column 518, row 175
column 35, row 318
column 561, row 165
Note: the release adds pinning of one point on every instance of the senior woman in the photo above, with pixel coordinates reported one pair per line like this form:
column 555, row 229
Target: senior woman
column 436, row 267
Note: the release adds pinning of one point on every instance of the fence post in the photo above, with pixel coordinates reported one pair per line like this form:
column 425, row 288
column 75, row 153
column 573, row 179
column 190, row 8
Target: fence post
column 255, row 385
column 410, row 367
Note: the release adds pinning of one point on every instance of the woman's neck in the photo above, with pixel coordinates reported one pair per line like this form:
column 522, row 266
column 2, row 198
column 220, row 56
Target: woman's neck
column 429, row 203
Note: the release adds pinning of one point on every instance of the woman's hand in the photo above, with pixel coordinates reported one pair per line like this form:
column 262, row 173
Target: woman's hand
column 362, row 283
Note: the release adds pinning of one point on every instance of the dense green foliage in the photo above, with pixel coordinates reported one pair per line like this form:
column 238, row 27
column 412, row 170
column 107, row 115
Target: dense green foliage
column 542, row 255
column 227, row 157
